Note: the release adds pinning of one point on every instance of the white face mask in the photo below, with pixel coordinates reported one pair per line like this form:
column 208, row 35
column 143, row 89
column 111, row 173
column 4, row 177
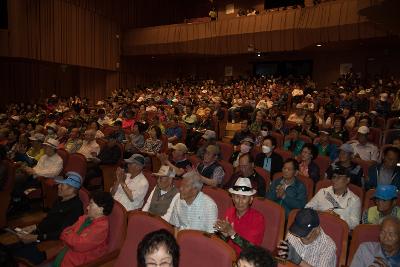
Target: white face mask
column 264, row 133
column 244, row 148
column 266, row 149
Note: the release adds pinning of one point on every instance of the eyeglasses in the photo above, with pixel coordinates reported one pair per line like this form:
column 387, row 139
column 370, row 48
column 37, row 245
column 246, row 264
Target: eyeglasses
column 162, row 264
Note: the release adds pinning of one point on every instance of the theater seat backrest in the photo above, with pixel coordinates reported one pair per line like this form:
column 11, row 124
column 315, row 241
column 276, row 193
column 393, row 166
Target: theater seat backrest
column 117, row 220
column 274, row 217
column 200, row 249
column 140, row 223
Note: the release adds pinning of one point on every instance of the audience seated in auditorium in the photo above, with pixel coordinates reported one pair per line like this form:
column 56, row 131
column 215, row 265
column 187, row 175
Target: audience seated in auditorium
column 135, row 140
column 152, row 145
column 288, row 191
column 268, row 159
column 279, row 125
column 385, row 198
column 164, row 195
column 255, row 256
column 130, row 186
column 194, row 209
column 74, row 141
column 387, row 172
column 87, row 239
column 208, row 138
column 344, row 160
column 174, row 132
column 210, row 171
column 307, row 244
column 246, row 170
column 242, row 133
column 241, row 226
column 179, row 161
column 65, row 211
column 245, row 147
column 386, row 252
column 293, row 143
column 109, row 155
column 338, row 129
column 324, row 147
column 362, row 148
column 158, row 248
column 307, row 166
column 338, row 199
column 309, row 127
column 49, row 165
column 90, row 149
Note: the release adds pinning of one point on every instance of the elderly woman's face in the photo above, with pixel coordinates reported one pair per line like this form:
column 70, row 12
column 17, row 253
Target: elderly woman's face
column 159, row 257
column 94, row 211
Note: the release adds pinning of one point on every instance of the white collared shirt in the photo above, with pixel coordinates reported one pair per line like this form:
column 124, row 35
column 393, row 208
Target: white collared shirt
column 349, row 204
column 139, row 186
column 49, row 167
column 366, row 152
column 200, row 215
column 88, row 148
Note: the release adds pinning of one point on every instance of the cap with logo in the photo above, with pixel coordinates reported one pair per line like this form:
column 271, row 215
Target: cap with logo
column 305, row 221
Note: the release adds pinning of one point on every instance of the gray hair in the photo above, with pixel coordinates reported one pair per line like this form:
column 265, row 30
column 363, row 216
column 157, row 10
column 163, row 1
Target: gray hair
column 393, row 219
column 195, row 178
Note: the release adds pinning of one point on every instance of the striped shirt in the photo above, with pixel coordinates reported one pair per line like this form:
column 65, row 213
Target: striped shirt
column 320, row 253
column 200, row 215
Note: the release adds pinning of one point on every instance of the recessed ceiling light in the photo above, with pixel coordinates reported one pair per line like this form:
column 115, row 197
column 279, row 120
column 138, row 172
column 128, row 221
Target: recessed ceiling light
column 319, row 45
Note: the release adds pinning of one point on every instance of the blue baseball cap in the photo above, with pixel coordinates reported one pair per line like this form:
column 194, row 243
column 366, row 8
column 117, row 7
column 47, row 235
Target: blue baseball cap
column 386, row 192
column 72, row 179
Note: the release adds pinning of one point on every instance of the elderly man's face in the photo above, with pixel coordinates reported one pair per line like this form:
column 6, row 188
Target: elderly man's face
column 49, row 150
column 362, row 138
column 311, row 236
column 209, row 157
column 389, row 235
column 89, row 136
column 164, row 182
column 340, row 182
column 385, row 206
column 242, row 203
column 246, row 168
column 391, row 159
column 65, row 191
column 186, row 190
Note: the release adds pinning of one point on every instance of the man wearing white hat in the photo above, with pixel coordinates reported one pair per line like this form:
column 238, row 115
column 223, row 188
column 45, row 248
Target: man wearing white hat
column 362, row 148
column 163, row 197
column 50, row 164
column 242, row 226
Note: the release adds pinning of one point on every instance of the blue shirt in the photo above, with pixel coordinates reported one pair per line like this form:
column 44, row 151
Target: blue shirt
column 295, row 198
column 176, row 131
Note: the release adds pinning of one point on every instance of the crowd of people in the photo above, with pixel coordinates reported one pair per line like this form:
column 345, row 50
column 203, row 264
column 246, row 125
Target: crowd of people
column 177, row 124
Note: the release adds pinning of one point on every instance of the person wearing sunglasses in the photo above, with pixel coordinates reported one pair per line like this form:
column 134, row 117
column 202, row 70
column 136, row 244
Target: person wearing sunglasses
column 242, row 226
